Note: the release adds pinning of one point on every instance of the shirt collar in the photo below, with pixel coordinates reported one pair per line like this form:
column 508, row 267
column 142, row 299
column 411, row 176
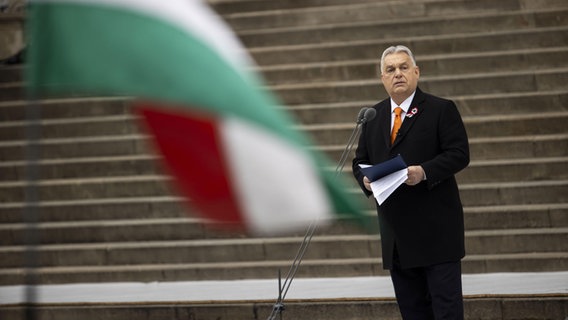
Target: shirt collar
column 405, row 105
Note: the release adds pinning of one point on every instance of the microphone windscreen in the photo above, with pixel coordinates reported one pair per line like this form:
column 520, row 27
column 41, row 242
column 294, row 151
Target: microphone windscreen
column 361, row 114
column 370, row 113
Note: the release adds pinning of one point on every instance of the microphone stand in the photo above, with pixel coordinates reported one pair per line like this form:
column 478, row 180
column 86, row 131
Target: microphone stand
column 365, row 114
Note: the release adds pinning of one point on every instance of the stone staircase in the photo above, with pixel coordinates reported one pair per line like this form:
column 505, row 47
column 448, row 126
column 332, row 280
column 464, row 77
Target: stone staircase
column 108, row 214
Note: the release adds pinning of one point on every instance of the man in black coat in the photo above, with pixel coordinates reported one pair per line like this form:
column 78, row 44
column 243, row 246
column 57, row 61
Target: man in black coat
column 421, row 223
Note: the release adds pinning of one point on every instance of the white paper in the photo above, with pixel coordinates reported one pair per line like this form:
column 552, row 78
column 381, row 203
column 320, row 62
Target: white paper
column 386, row 185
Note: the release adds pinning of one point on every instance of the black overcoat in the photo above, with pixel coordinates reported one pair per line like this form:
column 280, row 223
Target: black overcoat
column 426, row 220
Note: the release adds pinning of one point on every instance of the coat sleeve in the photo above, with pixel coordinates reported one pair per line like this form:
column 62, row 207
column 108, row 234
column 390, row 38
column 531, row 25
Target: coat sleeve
column 361, row 157
column 453, row 155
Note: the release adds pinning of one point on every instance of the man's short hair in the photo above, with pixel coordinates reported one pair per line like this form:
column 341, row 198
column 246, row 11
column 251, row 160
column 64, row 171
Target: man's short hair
column 396, row 49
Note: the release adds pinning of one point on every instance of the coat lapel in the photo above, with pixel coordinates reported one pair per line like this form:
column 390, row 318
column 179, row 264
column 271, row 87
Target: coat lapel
column 386, row 122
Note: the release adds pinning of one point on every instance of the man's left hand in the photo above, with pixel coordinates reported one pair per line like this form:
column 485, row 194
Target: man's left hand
column 415, row 175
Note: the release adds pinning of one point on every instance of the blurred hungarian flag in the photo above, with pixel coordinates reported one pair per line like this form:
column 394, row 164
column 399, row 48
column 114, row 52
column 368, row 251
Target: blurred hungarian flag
column 232, row 151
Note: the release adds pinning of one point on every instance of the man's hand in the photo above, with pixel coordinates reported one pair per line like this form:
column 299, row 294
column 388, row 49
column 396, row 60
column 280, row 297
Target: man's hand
column 415, row 175
column 367, row 183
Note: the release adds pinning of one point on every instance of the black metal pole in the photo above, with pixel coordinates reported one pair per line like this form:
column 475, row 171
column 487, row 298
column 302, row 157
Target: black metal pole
column 31, row 208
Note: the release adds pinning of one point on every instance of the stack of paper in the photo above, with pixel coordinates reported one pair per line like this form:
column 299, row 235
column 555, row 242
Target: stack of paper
column 385, row 177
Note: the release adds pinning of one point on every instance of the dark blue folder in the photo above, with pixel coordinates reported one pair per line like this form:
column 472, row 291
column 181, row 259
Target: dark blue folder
column 384, row 168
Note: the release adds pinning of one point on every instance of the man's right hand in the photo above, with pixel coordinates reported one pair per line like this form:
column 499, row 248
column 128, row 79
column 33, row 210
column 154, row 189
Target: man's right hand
column 367, row 183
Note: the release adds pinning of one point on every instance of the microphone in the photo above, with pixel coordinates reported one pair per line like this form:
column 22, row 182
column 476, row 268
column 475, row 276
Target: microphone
column 369, row 114
column 361, row 114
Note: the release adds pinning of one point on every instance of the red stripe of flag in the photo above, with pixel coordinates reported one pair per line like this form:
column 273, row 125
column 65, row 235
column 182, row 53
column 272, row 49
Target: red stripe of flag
column 192, row 151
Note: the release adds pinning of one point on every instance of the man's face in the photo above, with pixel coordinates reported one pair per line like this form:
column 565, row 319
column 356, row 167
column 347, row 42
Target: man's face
column 399, row 76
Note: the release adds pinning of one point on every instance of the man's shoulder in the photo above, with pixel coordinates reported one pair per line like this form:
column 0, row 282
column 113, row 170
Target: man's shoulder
column 438, row 106
column 382, row 104
column 433, row 99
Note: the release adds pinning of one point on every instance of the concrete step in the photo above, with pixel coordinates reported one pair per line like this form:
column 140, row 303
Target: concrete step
column 142, row 229
column 516, row 216
column 532, row 124
column 185, row 226
column 80, row 127
column 159, row 185
column 469, row 44
column 490, row 148
column 301, row 93
column 358, row 12
column 476, row 308
column 352, row 297
column 510, row 193
column 11, row 91
column 514, row 170
column 359, row 267
column 430, row 65
column 471, row 105
column 494, row 126
column 268, row 249
column 381, row 29
column 252, row 7
column 423, row 45
column 521, row 136
column 372, row 89
column 520, row 241
column 195, row 271
column 478, row 170
column 477, row 217
column 109, row 209
column 487, row 148
column 519, row 146
column 195, row 251
column 228, row 7
column 84, row 167
column 91, row 188
column 61, row 148
column 334, row 112
column 68, row 108
column 10, row 73
column 496, row 296
column 505, row 193
column 181, row 223
column 109, row 187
